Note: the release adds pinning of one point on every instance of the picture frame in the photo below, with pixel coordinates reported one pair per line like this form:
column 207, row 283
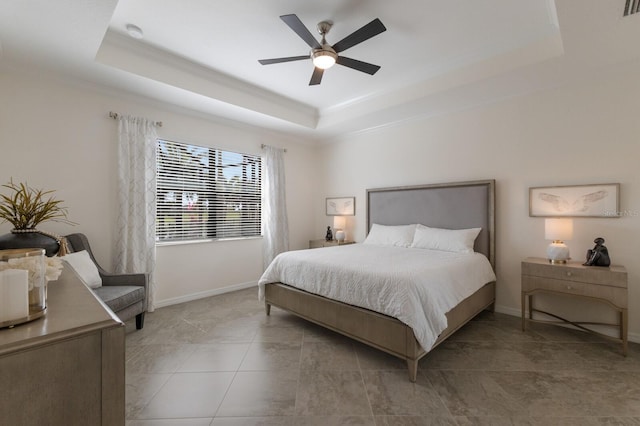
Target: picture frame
column 596, row 200
column 340, row 206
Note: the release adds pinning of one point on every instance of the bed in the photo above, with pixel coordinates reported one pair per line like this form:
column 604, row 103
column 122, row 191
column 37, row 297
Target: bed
column 453, row 206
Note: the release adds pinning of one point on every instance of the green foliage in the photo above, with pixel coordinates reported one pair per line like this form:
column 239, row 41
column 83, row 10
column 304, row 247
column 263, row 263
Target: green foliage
column 26, row 207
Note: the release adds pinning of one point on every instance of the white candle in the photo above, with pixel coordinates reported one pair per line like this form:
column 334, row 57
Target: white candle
column 14, row 294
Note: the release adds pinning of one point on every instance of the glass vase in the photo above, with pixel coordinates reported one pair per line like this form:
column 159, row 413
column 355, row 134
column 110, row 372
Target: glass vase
column 23, row 286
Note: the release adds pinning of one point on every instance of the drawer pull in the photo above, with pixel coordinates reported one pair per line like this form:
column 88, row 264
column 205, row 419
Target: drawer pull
column 569, row 274
column 569, row 287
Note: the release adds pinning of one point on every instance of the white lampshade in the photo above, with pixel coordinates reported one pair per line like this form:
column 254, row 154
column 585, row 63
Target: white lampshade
column 338, row 226
column 558, row 231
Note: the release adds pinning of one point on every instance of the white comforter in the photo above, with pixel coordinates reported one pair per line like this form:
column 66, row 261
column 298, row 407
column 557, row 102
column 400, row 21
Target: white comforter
column 416, row 286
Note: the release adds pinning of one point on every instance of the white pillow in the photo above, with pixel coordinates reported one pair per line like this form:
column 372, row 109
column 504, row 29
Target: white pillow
column 456, row 240
column 80, row 262
column 399, row 235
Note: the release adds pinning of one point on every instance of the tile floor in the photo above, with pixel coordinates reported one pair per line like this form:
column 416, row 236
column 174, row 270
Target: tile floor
column 221, row 361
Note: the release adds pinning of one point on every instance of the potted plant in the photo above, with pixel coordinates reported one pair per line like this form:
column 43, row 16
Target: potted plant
column 25, row 208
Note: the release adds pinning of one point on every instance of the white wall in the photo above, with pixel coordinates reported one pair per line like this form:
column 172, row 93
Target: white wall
column 584, row 133
column 57, row 135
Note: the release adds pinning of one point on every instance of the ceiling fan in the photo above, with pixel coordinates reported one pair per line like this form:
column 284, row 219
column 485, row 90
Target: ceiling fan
column 325, row 56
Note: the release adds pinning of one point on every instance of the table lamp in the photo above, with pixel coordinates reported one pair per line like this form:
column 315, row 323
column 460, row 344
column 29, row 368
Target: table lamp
column 558, row 230
column 338, row 227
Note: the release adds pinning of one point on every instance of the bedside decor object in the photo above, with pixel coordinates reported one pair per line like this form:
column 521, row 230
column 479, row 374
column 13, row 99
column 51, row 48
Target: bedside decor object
column 599, row 255
column 344, row 206
column 25, row 208
column 338, row 228
column 329, row 234
column 575, row 201
column 23, row 283
column 558, row 230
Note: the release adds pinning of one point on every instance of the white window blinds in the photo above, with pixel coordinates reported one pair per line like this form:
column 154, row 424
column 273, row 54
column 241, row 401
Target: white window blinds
column 206, row 193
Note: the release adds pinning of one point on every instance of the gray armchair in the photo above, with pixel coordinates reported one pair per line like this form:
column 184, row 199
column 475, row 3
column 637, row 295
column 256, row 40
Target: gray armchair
column 124, row 294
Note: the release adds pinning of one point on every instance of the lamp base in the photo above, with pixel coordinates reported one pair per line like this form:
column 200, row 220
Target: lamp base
column 558, row 252
column 340, row 235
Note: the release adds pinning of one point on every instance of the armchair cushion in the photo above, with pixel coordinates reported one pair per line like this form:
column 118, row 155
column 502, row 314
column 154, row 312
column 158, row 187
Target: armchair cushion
column 120, row 297
column 82, row 265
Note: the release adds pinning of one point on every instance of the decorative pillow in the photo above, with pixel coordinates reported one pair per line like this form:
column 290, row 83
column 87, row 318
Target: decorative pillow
column 456, row 240
column 81, row 264
column 399, row 235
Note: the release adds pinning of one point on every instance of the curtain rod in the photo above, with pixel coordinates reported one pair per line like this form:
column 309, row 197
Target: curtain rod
column 114, row 115
column 263, row 147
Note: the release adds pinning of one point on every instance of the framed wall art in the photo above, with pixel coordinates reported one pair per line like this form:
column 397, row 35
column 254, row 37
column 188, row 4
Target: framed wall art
column 341, row 206
column 599, row 200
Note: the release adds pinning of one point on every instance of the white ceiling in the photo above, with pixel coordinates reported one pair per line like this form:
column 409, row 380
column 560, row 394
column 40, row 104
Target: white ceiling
column 436, row 55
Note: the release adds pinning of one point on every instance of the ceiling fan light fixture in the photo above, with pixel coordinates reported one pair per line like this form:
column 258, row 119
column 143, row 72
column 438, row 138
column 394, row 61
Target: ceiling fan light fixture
column 324, row 58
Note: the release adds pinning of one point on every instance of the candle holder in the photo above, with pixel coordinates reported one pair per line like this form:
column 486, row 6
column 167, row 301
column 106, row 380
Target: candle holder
column 23, row 286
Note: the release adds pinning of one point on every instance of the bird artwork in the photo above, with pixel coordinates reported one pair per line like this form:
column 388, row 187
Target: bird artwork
column 581, row 204
column 340, row 207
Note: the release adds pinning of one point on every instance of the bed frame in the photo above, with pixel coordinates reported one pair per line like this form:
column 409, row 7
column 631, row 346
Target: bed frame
column 457, row 205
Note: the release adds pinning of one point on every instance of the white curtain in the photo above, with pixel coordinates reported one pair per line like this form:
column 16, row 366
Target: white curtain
column 136, row 223
column 274, row 209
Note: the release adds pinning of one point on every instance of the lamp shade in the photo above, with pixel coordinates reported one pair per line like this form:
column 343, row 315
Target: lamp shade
column 338, row 226
column 557, row 229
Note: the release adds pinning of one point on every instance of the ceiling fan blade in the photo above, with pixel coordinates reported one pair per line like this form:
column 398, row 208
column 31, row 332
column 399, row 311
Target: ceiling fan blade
column 358, row 65
column 279, row 60
column 298, row 27
column 316, row 77
column 372, row 29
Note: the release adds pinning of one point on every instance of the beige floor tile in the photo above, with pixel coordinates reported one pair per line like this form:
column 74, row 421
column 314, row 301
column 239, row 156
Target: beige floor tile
column 158, row 358
column 214, row 357
column 261, row 393
column 171, row 422
column 140, row 389
column 392, row 394
column 279, row 334
column 336, row 392
column 415, row 421
column 272, row 356
column 254, row 421
column 328, row 356
column 188, row 395
column 473, row 393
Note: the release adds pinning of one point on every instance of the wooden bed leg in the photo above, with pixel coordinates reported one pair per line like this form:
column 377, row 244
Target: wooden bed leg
column 412, row 365
column 267, row 308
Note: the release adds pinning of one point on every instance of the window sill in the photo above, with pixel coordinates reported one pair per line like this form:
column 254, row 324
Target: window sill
column 210, row 240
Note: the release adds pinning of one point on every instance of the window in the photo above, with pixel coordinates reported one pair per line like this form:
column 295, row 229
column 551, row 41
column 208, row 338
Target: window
column 206, row 193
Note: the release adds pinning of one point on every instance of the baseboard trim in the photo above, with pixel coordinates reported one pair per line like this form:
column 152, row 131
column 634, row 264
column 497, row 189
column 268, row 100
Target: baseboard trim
column 208, row 293
column 633, row 337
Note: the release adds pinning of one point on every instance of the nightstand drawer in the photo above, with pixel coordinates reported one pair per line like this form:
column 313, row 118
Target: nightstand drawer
column 616, row 295
column 613, row 276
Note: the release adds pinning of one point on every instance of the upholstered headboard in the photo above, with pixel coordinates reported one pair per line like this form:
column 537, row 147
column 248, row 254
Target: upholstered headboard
column 457, row 205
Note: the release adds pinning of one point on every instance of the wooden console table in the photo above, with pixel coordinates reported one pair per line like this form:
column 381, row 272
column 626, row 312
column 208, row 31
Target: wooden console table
column 66, row 368
column 603, row 284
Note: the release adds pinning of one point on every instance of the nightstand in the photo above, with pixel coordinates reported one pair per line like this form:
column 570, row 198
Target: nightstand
column 603, row 284
column 325, row 243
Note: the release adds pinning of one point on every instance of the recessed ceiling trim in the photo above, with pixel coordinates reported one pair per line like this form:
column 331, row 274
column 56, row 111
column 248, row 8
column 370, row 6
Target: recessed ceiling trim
column 141, row 59
column 539, row 51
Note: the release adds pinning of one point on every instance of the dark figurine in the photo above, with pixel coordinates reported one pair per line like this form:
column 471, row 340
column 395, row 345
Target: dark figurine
column 329, row 236
column 599, row 255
